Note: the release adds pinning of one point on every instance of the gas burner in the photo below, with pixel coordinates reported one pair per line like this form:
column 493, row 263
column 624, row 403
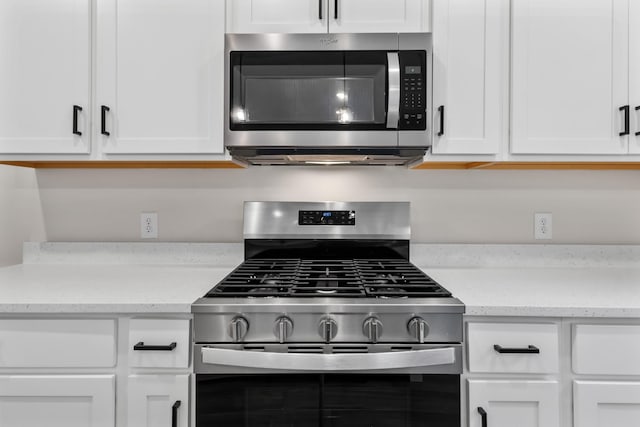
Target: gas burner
column 379, row 278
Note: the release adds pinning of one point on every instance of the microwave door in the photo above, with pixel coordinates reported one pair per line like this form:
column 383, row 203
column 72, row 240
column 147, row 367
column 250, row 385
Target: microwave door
column 393, row 99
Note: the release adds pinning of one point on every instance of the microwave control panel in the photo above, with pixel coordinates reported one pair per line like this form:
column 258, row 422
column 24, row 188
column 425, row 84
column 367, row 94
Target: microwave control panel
column 413, row 90
column 326, row 218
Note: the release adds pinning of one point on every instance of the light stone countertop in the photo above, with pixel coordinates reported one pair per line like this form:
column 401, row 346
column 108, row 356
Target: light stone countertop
column 32, row 288
column 554, row 292
column 512, row 281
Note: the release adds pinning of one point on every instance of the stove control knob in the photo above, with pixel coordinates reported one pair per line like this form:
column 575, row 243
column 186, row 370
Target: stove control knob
column 238, row 328
column 283, row 328
column 328, row 329
column 372, row 328
column 418, row 329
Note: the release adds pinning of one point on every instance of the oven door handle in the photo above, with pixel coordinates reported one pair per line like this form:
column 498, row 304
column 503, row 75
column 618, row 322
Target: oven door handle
column 393, row 99
column 328, row 362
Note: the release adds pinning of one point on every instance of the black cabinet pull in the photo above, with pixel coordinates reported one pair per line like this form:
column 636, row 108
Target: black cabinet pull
column 141, row 347
column 335, row 9
column 76, row 109
column 638, row 133
column 483, row 414
column 532, row 349
column 625, row 109
column 320, row 9
column 103, row 126
column 441, row 111
column 174, row 413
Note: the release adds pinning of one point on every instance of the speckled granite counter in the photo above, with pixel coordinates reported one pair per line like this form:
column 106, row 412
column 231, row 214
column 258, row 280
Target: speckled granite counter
column 557, row 281
column 557, row 292
column 104, row 288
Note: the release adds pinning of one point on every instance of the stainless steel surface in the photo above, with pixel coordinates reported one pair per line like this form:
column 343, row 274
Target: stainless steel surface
column 372, row 329
column 418, row 359
column 418, row 329
column 315, row 42
column 328, row 362
column 283, row 328
column 333, row 155
column 374, row 220
column 393, row 95
column 387, row 147
column 211, row 323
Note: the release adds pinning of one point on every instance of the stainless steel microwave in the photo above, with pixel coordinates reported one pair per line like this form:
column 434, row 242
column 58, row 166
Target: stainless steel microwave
column 328, row 98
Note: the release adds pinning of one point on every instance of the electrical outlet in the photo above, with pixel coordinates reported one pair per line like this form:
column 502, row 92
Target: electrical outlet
column 543, row 226
column 149, row 225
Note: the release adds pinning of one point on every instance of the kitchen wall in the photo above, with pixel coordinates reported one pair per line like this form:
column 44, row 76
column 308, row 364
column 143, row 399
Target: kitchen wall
column 20, row 212
column 473, row 206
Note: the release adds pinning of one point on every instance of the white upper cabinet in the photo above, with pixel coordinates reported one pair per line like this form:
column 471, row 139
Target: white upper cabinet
column 570, row 76
column 634, row 75
column 45, row 70
column 160, row 76
column 378, row 16
column 321, row 16
column 471, row 75
column 277, row 16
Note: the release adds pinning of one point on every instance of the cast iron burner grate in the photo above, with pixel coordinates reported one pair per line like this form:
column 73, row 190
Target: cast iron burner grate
column 353, row 278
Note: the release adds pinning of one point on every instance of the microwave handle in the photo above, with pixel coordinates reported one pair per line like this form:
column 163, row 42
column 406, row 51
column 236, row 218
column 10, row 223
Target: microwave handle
column 328, row 362
column 393, row 100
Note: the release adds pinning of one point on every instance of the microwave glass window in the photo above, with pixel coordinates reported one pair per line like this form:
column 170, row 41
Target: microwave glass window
column 308, row 90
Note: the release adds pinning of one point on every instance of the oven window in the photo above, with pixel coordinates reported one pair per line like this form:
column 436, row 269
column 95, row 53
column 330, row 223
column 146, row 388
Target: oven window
column 308, row 90
column 332, row 400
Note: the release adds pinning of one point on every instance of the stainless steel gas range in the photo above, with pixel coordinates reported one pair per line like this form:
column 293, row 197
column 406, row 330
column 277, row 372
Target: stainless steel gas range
column 327, row 323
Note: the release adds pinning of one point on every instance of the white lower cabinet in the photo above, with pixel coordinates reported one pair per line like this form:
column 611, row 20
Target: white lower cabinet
column 510, row 403
column 606, row 403
column 57, row 400
column 158, row 401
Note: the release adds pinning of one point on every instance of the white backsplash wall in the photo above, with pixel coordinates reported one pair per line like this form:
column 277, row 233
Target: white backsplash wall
column 474, row 206
column 20, row 212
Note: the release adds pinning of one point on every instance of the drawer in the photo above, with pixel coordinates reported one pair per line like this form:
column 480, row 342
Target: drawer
column 159, row 343
column 57, row 343
column 510, row 347
column 606, row 349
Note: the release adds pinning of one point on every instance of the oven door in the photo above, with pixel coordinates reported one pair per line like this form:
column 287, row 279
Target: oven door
column 350, row 386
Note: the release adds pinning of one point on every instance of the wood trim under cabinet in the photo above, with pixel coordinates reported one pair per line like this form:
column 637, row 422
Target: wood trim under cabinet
column 227, row 164
column 99, row 164
column 532, row 165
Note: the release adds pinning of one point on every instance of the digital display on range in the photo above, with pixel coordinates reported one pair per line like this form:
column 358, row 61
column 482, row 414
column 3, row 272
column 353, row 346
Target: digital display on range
column 326, row 218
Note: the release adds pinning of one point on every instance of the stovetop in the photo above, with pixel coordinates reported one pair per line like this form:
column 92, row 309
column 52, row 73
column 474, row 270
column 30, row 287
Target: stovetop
column 347, row 278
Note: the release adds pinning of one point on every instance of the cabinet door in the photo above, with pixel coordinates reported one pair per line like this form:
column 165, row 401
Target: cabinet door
column 45, row 70
column 471, row 75
column 608, row 403
column 570, row 76
column 57, row 401
column 378, row 16
column 634, row 75
column 514, row 403
column 161, row 75
column 158, row 401
column 277, row 16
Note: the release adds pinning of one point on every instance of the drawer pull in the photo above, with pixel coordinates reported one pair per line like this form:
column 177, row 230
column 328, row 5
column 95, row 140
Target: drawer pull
column 483, row 415
column 174, row 413
column 532, row 349
column 141, row 347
